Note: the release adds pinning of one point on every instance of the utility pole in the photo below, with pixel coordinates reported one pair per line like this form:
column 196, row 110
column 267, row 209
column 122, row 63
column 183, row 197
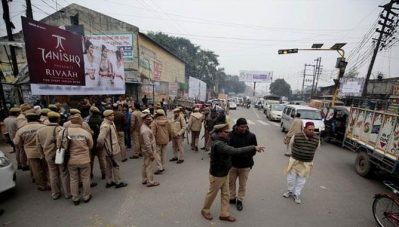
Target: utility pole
column 316, row 74
column 29, row 12
column 9, row 27
column 254, row 89
column 305, row 75
column 385, row 30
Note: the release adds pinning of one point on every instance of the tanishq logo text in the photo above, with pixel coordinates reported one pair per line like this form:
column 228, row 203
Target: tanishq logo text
column 59, row 55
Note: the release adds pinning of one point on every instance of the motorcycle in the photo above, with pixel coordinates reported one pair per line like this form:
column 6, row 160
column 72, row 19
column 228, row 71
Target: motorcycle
column 248, row 105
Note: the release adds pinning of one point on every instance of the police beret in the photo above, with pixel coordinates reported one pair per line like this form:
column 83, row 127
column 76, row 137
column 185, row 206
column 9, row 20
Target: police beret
column 53, row 107
column 74, row 111
column 94, row 109
column 32, row 116
column 45, row 111
column 196, row 109
column 115, row 105
column 219, row 126
column 53, row 114
column 145, row 115
column 74, row 116
column 160, row 112
column 177, row 109
column 26, row 106
column 15, row 110
column 147, row 111
column 108, row 113
column 158, row 105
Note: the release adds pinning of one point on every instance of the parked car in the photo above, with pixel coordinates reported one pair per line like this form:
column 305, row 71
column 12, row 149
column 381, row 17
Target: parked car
column 274, row 112
column 7, row 174
column 232, row 105
column 307, row 114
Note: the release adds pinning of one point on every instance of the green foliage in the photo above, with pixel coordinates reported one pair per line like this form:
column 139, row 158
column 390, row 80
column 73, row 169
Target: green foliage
column 281, row 88
column 201, row 64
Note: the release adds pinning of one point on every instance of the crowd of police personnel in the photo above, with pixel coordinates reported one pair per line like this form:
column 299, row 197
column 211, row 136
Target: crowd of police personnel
column 106, row 133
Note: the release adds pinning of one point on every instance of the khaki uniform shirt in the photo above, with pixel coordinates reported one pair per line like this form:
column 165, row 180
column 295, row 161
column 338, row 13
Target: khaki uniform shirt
column 46, row 140
column 195, row 121
column 44, row 120
column 147, row 140
column 80, row 143
column 26, row 136
column 162, row 130
column 104, row 138
column 85, row 126
column 11, row 125
column 136, row 121
column 21, row 121
column 178, row 126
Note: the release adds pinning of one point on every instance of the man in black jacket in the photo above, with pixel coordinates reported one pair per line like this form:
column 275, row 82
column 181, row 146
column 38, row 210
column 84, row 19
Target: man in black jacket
column 220, row 165
column 241, row 164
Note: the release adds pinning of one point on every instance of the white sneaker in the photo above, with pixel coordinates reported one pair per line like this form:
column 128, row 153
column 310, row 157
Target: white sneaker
column 287, row 194
column 297, row 199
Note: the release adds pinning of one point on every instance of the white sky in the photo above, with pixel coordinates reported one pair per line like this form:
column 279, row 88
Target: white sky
column 246, row 34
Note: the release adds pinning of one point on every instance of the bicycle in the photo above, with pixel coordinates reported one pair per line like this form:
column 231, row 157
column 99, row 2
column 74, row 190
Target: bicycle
column 386, row 206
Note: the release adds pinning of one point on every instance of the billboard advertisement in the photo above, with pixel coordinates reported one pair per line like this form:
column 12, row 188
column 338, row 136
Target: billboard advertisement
column 101, row 63
column 256, row 76
column 196, row 89
column 121, row 41
column 351, row 86
column 55, row 56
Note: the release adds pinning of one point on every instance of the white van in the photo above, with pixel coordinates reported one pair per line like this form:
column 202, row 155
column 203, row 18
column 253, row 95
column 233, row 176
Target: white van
column 307, row 114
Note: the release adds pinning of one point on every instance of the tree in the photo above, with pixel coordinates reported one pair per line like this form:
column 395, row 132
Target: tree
column 281, row 88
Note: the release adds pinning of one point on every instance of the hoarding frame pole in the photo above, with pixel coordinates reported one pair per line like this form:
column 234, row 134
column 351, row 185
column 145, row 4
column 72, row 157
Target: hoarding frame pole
column 254, row 88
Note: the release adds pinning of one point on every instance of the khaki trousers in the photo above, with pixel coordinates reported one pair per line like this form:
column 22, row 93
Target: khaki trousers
column 136, row 143
column 81, row 172
column 20, row 154
column 242, row 175
column 59, row 177
column 111, row 171
column 161, row 156
column 177, row 144
column 101, row 160
column 216, row 184
column 121, row 141
column 148, row 169
column 194, row 139
column 38, row 172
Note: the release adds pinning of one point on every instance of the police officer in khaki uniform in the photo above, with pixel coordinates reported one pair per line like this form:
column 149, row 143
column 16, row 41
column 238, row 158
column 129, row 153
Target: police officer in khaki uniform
column 195, row 125
column 136, row 125
column 120, row 122
column 46, row 140
column 148, row 148
column 26, row 136
column 178, row 129
column 22, row 121
column 108, row 143
column 10, row 123
column 163, row 134
column 43, row 116
column 78, row 142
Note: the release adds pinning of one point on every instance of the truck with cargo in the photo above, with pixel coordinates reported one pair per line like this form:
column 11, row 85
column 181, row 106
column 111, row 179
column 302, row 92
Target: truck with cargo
column 374, row 135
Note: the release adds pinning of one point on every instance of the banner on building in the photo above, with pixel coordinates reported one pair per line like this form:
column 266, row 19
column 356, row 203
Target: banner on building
column 55, row 56
column 173, row 87
column 351, row 87
column 255, row 76
column 69, row 64
column 121, row 41
column 196, row 89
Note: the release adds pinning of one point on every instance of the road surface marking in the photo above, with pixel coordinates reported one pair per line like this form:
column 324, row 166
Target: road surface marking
column 263, row 123
column 250, row 122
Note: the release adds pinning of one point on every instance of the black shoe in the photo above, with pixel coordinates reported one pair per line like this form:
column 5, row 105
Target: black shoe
column 103, row 176
column 124, row 160
column 121, row 185
column 239, row 205
column 158, row 172
column 93, row 184
column 87, row 200
column 134, row 157
column 196, row 148
column 202, row 148
column 179, row 161
column 140, row 155
column 288, row 155
column 108, row 185
column 173, row 159
column 57, row 197
column 77, row 202
column 233, row 201
column 25, row 168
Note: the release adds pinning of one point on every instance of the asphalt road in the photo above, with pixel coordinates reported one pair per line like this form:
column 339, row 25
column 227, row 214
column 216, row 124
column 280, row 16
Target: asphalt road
column 334, row 195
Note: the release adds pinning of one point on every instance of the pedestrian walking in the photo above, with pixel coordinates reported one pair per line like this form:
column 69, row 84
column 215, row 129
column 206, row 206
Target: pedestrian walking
column 296, row 127
column 95, row 121
column 303, row 146
column 120, row 122
column 241, row 164
column 78, row 143
column 46, row 140
column 136, row 125
column 178, row 129
column 148, row 148
column 10, row 123
column 210, row 121
column 162, row 131
column 26, row 136
column 220, row 165
column 195, row 125
column 108, row 143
